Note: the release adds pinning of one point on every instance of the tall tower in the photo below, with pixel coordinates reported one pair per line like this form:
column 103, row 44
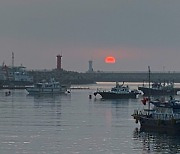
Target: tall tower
column 12, row 59
column 59, row 60
column 90, row 66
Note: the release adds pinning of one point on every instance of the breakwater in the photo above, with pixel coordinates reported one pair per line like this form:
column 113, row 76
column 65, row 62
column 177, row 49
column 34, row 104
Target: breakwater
column 69, row 77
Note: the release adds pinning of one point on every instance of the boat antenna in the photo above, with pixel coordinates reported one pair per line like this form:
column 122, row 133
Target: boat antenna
column 149, row 78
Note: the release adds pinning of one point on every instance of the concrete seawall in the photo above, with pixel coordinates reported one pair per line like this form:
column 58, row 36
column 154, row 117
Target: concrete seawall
column 137, row 77
column 85, row 78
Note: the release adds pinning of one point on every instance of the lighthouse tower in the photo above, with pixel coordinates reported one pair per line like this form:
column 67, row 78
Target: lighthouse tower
column 90, row 66
column 59, row 61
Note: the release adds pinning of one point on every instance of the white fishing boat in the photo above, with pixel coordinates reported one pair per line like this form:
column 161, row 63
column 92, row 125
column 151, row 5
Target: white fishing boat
column 52, row 87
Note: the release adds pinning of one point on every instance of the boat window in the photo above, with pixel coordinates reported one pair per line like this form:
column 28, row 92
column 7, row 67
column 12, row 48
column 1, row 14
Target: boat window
column 48, row 85
column 176, row 110
column 39, row 85
column 163, row 110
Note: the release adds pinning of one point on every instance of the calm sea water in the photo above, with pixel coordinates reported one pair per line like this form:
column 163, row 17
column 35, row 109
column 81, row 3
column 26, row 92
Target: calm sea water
column 75, row 124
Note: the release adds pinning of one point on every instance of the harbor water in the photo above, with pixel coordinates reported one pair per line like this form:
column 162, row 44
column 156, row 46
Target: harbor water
column 76, row 124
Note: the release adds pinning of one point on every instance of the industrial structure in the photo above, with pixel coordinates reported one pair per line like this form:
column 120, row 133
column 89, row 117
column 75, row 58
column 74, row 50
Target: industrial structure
column 59, row 61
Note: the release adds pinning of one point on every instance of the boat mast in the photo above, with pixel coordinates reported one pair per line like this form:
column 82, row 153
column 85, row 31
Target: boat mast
column 149, row 78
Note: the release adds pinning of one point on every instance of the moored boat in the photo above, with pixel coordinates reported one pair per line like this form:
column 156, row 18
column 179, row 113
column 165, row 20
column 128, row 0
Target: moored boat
column 52, row 87
column 14, row 77
column 162, row 116
column 158, row 88
column 118, row 92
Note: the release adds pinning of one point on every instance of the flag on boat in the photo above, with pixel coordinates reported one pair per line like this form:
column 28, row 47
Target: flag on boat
column 144, row 100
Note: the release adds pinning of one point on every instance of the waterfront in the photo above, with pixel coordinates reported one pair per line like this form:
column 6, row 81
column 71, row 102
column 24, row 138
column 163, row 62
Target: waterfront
column 75, row 124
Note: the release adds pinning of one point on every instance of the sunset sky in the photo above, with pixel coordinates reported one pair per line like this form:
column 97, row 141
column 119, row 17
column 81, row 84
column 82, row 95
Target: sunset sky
column 137, row 33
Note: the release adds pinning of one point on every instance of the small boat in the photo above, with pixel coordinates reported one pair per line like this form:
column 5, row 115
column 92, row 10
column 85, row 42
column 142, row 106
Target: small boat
column 163, row 116
column 118, row 92
column 52, row 87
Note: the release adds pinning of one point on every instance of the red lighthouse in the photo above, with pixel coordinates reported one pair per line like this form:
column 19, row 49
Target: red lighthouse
column 59, row 57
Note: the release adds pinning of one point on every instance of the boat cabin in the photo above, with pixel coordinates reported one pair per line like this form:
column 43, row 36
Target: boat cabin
column 166, row 110
column 122, row 89
column 48, row 85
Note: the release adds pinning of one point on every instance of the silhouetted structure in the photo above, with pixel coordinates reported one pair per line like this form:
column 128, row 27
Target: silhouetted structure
column 59, row 60
column 90, row 66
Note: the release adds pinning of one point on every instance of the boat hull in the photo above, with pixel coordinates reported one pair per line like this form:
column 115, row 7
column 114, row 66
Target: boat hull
column 166, row 126
column 110, row 95
column 151, row 91
column 14, row 84
column 33, row 91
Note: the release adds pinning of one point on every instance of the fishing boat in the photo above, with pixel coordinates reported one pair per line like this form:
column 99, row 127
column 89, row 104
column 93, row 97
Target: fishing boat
column 52, row 87
column 118, row 92
column 158, row 88
column 160, row 115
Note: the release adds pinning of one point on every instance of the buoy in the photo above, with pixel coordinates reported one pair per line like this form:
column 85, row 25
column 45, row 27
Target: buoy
column 8, row 93
column 90, row 96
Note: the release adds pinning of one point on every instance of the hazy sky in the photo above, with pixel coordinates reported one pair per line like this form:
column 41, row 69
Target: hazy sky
column 137, row 33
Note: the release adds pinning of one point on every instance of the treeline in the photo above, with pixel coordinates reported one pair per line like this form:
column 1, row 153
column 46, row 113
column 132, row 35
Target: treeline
column 63, row 76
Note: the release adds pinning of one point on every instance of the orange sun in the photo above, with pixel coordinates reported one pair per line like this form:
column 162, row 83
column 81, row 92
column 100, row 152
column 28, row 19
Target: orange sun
column 110, row 59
